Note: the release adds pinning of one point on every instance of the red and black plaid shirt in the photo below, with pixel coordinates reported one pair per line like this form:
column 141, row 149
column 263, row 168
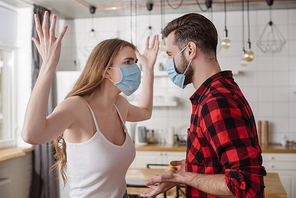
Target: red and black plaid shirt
column 222, row 138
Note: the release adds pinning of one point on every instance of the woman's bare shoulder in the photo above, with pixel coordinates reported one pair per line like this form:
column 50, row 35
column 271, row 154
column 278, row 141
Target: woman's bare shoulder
column 121, row 101
column 72, row 104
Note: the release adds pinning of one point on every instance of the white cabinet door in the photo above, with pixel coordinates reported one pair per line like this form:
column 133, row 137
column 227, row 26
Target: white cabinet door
column 147, row 157
column 173, row 156
column 285, row 165
column 156, row 157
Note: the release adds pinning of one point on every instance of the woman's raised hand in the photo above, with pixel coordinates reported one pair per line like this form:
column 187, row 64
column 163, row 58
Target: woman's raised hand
column 148, row 58
column 48, row 45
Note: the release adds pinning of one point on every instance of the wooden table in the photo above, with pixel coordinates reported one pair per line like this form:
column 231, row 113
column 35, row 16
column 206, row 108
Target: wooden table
column 273, row 185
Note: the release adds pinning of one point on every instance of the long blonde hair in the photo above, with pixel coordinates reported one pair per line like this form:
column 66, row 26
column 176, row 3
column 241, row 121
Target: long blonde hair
column 100, row 59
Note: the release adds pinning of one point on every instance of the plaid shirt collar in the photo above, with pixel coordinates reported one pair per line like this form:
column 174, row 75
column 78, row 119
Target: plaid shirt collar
column 202, row 89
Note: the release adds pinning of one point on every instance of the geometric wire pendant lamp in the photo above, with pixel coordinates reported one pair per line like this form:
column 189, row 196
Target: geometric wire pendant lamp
column 271, row 39
column 91, row 39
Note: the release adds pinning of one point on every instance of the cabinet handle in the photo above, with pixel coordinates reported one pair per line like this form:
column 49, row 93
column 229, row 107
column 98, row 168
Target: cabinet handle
column 272, row 157
column 165, row 154
column 272, row 166
column 161, row 154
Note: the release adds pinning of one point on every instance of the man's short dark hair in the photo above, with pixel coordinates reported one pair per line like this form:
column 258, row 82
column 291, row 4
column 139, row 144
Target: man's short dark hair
column 196, row 28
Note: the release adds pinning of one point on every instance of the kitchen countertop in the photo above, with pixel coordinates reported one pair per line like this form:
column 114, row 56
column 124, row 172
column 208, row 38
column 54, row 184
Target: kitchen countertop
column 278, row 149
column 161, row 147
column 273, row 185
column 176, row 147
column 10, row 153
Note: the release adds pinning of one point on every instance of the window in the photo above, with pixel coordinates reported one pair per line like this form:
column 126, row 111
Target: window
column 7, row 136
column 8, row 36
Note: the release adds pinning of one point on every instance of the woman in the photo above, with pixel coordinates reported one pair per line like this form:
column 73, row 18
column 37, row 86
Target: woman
column 88, row 126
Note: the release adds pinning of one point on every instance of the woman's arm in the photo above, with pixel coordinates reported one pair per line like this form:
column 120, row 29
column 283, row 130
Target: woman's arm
column 144, row 109
column 37, row 129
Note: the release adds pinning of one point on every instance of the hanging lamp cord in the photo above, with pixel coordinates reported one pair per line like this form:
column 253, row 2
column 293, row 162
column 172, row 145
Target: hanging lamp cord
column 136, row 9
column 225, row 12
column 248, row 21
column 243, row 22
column 270, row 13
column 131, row 15
column 161, row 14
column 175, row 8
column 201, row 7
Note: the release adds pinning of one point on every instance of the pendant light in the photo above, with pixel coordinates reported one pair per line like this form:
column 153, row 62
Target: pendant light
column 226, row 43
column 91, row 39
column 149, row 31
column 162, row 44
column 271, row 39
column 210, row 11
column 243, row 61
column 249, row 54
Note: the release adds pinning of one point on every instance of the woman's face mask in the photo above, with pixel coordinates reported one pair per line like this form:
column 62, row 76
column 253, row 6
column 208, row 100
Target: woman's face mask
column 130, row 78
column 176, row 78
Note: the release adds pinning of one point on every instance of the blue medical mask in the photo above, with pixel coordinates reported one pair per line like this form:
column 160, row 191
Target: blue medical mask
column 130, row 78
column 176, row 78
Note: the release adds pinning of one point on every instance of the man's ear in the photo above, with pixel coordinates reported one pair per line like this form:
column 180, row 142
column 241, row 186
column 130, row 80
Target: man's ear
column 192, row 50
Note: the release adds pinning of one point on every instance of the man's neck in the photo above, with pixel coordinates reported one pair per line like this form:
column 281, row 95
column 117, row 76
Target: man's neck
column 202, row 70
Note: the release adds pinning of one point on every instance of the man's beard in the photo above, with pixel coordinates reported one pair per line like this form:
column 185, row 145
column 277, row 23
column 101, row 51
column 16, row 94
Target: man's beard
column 189, row 73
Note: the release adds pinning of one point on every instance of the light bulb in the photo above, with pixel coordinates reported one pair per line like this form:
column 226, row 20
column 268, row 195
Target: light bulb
column 249, row 55
column 243, row 61
column 150, row 31
column 162, row 48
column 92, row 33
column 226, row 43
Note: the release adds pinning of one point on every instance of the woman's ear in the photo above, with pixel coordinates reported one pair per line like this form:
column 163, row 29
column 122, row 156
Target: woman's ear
column 105, row 74
column 192, row 50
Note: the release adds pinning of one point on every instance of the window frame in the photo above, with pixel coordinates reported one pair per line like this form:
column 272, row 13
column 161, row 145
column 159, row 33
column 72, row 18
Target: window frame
column 10, row 142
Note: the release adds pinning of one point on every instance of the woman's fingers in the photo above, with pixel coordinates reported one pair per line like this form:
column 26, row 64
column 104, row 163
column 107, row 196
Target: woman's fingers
column 38, row 27
column 156, row 45
column 52, row 29
column 147, row 43
column 153, row 42
column 36, row 41
column 62, row 33
column 45, row 25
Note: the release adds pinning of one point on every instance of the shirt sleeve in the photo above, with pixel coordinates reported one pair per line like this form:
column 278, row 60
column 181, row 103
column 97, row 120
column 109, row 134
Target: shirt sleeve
column 231, row 131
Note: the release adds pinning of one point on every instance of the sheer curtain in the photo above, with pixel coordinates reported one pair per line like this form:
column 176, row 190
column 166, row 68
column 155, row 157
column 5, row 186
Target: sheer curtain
column 44, row 183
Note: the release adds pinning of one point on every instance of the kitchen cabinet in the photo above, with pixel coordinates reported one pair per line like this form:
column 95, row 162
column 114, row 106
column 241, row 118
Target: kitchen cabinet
column 156, row 157
column 285, row 165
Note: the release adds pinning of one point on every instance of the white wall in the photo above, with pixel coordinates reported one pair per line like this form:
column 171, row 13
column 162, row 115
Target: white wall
column 268, row 82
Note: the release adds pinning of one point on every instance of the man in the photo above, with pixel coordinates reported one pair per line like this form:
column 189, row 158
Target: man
column 223, row 155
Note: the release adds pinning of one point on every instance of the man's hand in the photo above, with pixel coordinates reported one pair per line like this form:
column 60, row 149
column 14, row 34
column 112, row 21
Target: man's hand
column 165, row 181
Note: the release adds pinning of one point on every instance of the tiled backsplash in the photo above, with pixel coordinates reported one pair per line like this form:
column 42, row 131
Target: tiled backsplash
column 268, row 82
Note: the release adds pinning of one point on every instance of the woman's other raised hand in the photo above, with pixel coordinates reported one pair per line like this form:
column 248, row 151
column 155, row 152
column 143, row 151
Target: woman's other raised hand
column 48, row 45
column 148, row 58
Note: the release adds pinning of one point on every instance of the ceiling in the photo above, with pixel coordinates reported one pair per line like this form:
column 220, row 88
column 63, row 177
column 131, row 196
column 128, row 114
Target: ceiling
column 70, row 9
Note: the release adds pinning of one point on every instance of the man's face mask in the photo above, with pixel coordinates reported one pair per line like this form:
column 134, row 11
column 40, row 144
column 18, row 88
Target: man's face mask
column 176, row 78
column 130, row 78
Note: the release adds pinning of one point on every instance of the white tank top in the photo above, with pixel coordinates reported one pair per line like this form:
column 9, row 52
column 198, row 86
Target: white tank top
column 97, row 167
